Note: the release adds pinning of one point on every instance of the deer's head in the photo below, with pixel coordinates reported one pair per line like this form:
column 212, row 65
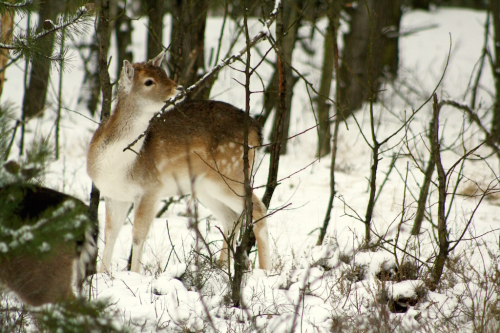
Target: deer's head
column 146, row 85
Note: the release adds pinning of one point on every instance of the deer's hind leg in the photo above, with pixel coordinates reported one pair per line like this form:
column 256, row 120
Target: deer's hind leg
column 230, row 224
column 237, row 205
column 261, row 233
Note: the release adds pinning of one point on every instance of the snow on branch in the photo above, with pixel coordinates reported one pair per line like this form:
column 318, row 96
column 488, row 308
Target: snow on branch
column 261, row 35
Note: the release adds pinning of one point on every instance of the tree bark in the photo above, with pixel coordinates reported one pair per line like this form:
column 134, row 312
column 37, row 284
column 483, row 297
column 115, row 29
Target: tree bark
column 440, row 261
column 323, row 105
column 333, row 16
column 291, row 23
column 155, row 10
column 386, row 16
column 495, row 12
column 36, row 92
column 248, row 235
column 187, row 48
column 279, row 121
column 91, row 87
column 105, row 84
column 123, row 37
column 424, row 190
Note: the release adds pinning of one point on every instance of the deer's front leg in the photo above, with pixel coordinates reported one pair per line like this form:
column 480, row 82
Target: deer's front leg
column 144, row 216
column 116, row 212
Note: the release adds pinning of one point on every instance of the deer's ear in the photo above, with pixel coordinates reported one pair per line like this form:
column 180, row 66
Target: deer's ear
column 127, row 76
column 156, row 61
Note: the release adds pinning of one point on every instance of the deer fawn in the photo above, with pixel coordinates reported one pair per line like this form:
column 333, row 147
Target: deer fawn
column 50, row 278
column 196, row 147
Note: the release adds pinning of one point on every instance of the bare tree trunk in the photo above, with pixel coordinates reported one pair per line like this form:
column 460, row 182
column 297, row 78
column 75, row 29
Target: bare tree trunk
column 91, row 87
column 123, row 36
column 6, row 33
column 386, row 16
column 104, row 33
column 291, row 22
column 323, row 105
column 389, row 26
column 248, row 235
column 187, row 49
column 104, row 40
column 495, row 128
column 155, row 10
column 495, row 12
column 279, row 121
column 36, row 93
column 333, row 15
column 90, row 90
column 424, row 190
column 437, row 269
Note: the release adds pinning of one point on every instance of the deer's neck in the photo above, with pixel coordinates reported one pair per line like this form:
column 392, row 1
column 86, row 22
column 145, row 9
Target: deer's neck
column 127, row 122
column 108, row 164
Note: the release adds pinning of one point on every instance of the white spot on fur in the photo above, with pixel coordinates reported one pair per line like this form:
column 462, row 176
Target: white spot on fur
column 223, row 161
column 221, row 148
column 233, row 159
column 236, row 165
column 231, row 145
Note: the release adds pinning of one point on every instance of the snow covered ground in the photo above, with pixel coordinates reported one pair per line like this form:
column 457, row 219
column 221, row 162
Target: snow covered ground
column 334, row 286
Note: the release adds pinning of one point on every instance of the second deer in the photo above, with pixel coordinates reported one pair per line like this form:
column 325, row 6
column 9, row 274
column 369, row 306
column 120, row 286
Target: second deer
column 196, row 147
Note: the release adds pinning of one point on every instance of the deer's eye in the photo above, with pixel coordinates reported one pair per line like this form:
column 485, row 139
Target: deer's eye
column 148, row 82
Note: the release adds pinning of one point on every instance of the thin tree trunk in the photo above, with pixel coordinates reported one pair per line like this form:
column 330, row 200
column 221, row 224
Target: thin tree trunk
column 323, row 105
column 291, row 22
column 279, row 121
column 370, row 78
column 440, row 261
column 25, row 86
column 59, row 98
column 90, row 90
column 333, row 15
column 246, row 237
column 35, row 95
column 424, row 190
column 104, row 34
column 91, row 87
column 495, row 126
column 495, row 12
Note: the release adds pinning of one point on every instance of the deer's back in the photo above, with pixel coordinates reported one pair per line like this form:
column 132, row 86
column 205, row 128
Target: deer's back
column 208, row 122
column 196, row 138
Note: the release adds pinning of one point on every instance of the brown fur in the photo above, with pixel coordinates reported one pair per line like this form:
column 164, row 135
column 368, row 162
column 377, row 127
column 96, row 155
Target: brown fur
column 49, row 278
column 196, row 147
column 38, row 281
